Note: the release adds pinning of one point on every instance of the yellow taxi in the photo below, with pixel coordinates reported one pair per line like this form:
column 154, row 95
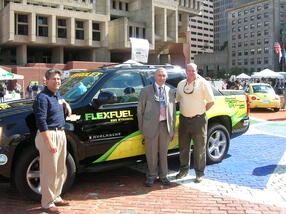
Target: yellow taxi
column 262, row 95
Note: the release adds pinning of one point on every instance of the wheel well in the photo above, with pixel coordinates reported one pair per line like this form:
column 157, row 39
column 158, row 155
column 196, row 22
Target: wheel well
column 223, row 120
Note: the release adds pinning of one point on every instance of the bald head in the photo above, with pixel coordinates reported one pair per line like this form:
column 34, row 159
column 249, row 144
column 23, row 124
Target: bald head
column 191, row 71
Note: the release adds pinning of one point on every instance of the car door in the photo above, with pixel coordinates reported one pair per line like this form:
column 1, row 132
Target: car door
column 108, row 125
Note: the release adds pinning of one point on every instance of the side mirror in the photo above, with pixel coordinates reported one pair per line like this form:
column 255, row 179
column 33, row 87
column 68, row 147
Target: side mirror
column 105, row 97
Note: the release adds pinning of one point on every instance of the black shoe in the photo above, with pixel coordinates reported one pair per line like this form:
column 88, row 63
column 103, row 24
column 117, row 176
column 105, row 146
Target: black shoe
column 198, row 179
column 182, row 174
column 165, row 181
column 149, row 182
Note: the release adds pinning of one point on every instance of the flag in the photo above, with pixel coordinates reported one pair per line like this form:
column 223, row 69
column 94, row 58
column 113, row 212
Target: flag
column 278, row 50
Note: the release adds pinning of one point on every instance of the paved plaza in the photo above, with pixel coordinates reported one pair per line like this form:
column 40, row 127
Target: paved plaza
column 251, row 180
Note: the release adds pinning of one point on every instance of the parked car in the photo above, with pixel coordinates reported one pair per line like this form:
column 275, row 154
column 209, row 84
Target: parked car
column 103, row 132
column 262, row 95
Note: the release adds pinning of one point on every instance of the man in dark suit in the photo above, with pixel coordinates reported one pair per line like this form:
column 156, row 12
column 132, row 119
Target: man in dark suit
column 156, row 114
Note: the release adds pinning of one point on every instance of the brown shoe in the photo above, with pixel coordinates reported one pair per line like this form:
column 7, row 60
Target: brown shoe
column 52, row 210
column 62, row 203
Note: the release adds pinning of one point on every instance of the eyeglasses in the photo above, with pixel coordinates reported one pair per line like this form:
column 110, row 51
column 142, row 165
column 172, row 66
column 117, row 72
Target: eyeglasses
column 187, row 89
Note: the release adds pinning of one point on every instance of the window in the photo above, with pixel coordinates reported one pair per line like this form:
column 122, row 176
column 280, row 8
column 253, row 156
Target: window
column 266, row 15
column 239, row 44
column 245, row 27
column 233, row 53
column 245, row 61
column 120, row 5
column 239, row 13
column 259, row 8
column 233, row 37
column 266, row 60
column 252, row 52
column 266, row 6
column 21, row 24
column 251, row 34
column 266, row 50
column 245, row 52
column 233, row 29
column 239, row 28
column 252, row 61
column 233, row 22
column 233, row 62
column 245, row 44
column 252, row 42
column 259, row 16
column 246, row 35
column 79, row 31
column 266, row 32
column 62, row 28
column 126, row 6
column 245, row 19
column 266, row 24
column 125, row 86
column 239, row 21
column 42, row 26
column 259, row 24
column 252, row 18
column 259, row 51
column 252, row 26
column 258, row 33
column 258, row 60
column 95, row 31
column 239, row 53
column 252, row 10
column 266, row 41
column 239, row 36
column 113, row 4
column 245, row 12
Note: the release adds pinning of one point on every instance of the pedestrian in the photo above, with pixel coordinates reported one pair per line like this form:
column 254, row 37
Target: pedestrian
column 2, row 93
column 29, row 90
column 49, row 108
column 18, row 88
column 156, row 114
column 195, row 97
column 35, row 89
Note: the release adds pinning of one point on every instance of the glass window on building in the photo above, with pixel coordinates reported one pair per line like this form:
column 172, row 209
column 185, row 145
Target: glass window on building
column 252, row 18
column 239, row 44
column 259, row 16
column 252, row 61
column 79, row 30
column 126, row 6
column 239, row 53
column 252, row 34
column 252, row 52
column 245, row 44
column 233, row 62
column 266, row 50
column 239, row 36
column 259, row 8
column 245, row 61
column 21, row 24
column 120, row 5
column 252, row 42
column 259, row 51
column 266, row 15
column 266, row 32
column 233, row 15
column 245, row 19
column 113, row 4
column 233, row 45
column 266, row 60
column 258, row 60
column 252, row 26
column 245, row 52
column 239, row 13
column 245, row 27
column 239, row 62
column 239, row 28
column 266, row 6
column 239, row 21
column 266, row 24
column 95, row 31
column 246, row 35
column 258, row 33
column 233, row 53
column 259, row 24
column 252, row 10
column 245, row 12
column 42, row 26
column 233, row 29
column 61, row 28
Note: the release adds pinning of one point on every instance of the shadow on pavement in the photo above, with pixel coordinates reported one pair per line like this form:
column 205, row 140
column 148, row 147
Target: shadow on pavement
column 269, row 169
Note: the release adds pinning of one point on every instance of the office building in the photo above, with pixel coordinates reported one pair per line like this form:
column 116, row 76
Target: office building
column 52, row 31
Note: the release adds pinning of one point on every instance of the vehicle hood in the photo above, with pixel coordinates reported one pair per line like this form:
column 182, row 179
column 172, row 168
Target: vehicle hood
column 15, row 107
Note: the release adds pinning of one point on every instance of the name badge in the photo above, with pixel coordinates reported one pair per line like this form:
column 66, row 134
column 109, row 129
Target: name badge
column 61, row 102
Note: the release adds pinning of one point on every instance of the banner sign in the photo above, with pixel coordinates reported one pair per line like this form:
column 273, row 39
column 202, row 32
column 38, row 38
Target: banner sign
column 140, row 50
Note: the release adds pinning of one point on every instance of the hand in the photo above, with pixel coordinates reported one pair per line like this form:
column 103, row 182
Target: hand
column 68, row 110
column 173, row 137
column 52, row 149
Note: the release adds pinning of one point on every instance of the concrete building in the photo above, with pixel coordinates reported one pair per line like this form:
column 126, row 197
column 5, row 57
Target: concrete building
column 202, row 30
column 253, row 29
column 53, row 31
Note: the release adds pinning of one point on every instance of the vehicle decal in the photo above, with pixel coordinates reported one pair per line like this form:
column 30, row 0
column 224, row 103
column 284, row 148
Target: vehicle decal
column 4, row 106
column 87, row 74
column 131, row 146
column 3, row 159
column 114, row 116
column 100, row 136
column 73, row 117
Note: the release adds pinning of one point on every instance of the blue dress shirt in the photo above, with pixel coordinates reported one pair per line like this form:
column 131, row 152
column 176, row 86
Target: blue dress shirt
column 48, row 110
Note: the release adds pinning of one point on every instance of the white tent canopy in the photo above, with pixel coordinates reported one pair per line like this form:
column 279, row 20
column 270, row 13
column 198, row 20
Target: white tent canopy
column 267, row 73
column 5, row 75
column 243, row 76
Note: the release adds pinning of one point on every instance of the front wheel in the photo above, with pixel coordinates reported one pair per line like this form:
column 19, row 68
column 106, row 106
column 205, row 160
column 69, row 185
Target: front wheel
column 27, row 173
column 276, row 109
column 217, row 143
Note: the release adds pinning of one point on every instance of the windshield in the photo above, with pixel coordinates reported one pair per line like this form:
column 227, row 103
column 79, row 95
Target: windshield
column 78, row 84
column 263, row 89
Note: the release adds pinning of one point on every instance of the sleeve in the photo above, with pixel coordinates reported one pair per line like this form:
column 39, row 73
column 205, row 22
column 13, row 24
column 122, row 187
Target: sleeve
column 40, row 107
column 141, row 108
column 208, row 92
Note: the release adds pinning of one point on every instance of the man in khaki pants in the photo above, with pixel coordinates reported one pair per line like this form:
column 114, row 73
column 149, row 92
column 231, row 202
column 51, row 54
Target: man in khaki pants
column 51, row 141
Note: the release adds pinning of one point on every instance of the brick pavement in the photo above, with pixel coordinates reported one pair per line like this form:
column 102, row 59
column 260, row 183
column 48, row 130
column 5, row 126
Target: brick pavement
column 122, row 191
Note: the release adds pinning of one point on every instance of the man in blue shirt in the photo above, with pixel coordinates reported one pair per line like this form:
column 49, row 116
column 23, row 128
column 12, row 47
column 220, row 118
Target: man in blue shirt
column 49, row 109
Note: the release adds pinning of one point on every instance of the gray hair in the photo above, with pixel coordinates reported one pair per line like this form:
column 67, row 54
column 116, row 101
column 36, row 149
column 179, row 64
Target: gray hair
column 193, row 65
column 52, row 71
column 162, row 69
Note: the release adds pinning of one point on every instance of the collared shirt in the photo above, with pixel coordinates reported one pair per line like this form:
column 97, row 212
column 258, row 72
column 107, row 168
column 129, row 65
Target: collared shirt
column 48, row 110
column 162, row 99
column 194, row 103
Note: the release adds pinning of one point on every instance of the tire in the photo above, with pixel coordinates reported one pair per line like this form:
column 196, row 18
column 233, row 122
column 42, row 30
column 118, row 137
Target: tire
column 217, row 143
column 27, row 174
column 276, row 109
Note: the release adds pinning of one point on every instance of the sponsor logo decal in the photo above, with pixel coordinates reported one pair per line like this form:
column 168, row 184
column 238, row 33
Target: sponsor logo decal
column 113, row 116
column 3, row 159
column 73, row 117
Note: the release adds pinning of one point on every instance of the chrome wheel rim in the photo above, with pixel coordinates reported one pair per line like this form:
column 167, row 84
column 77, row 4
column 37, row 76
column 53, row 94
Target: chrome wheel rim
column 217, row 144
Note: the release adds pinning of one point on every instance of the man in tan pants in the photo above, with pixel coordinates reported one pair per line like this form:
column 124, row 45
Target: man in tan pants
column 51, row 141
